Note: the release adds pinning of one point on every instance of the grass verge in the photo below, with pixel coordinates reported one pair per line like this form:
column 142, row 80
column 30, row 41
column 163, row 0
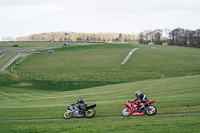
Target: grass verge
column 161, row 124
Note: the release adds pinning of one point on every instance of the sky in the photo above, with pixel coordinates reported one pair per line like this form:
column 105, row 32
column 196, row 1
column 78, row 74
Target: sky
column 26, row 17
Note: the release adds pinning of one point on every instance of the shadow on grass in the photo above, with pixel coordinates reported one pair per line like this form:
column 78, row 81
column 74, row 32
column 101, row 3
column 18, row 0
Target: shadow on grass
column 7, row 80
column 68, row 85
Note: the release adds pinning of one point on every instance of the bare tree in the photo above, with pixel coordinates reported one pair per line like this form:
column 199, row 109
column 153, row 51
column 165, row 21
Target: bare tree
column 196, row 37
column 185, row 37
column 81, row 37
column 144, row 37
column 157, row 35
column 176, row 36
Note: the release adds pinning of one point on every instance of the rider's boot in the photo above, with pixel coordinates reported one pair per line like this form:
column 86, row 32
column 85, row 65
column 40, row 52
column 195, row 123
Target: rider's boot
column 141, row 105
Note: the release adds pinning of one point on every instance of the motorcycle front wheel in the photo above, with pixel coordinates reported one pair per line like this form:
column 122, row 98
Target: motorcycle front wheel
column 90, row 113
column 67, row 115
column 126, row 112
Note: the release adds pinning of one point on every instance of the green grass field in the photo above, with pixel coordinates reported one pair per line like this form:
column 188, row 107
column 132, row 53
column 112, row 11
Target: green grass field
column 156, row 124
column 173, row 95
column 101, row 65
column 103, row 62
column 26, row 98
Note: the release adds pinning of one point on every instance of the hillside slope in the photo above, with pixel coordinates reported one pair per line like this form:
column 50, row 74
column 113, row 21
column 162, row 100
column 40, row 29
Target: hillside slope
column 172, row 95
column 103, row 63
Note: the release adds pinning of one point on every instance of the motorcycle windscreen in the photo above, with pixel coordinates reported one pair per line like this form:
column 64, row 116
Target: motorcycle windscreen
column 70, row 107
column 91, row 106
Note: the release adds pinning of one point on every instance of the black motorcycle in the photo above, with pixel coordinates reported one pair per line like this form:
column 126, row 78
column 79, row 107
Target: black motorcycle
column 80, row 111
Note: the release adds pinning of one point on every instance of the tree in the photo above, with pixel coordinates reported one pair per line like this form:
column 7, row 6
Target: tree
column 144, row 37
column 79, row 39
column 157, row 34
column 120, row 38
column 196, row 37
column 177, row 36
column 185, row 37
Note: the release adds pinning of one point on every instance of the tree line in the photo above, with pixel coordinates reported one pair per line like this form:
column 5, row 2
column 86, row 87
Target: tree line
column 185, row 37
column 80, row 37
column 149, row 36
column 178, row 37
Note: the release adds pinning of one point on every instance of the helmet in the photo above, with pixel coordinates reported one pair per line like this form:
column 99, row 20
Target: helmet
column 80, row 100
column 137, row 93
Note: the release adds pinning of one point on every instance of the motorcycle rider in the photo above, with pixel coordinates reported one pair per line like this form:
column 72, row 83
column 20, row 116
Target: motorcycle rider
column 82, row 105
column 142, row 97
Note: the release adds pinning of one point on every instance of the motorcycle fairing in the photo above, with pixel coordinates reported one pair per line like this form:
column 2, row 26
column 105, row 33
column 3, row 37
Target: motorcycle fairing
column 91, row 106
column 134, row 105
column 150, row 102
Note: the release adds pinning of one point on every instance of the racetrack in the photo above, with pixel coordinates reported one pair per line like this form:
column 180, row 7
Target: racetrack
column 4, row 52
column 97, row 117
column 10, row 62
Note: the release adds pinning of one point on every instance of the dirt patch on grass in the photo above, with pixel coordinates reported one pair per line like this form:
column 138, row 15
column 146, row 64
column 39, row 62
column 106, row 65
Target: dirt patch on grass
column 24, row 54
column 23, row 85
column 15, row 76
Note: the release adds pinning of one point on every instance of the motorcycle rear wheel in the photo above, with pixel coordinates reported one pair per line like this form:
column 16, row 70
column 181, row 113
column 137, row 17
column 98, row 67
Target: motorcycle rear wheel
column 67, row 115
column 151, row 110
column 90, row 113
column 126, row 112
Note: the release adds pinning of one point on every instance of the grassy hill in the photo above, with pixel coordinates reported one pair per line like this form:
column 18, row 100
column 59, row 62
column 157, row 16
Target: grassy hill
column 97, row 65
column 101, row 62
column 173, row 95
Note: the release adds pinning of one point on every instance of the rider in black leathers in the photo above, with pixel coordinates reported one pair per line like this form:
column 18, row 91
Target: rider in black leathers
column 142, row 97
column 81, row 107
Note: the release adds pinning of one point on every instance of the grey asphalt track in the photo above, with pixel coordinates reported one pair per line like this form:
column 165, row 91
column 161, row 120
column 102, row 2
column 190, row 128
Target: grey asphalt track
column 3, row 52
column 97, row 117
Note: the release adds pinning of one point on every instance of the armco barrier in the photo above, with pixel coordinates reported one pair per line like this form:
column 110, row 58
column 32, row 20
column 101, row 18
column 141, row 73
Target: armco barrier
column 10, row 62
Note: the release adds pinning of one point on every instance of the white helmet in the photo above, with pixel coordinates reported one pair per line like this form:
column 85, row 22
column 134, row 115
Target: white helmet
column 137, row 93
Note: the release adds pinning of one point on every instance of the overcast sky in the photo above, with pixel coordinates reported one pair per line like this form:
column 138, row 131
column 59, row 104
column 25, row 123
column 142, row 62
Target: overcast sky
column 25, row 17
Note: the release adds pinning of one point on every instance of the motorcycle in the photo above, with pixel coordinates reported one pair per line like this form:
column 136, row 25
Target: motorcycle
column 79, row 111
column 134, row 109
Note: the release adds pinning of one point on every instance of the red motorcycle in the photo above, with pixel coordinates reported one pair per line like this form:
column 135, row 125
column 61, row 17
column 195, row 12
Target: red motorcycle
column 134, row 109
